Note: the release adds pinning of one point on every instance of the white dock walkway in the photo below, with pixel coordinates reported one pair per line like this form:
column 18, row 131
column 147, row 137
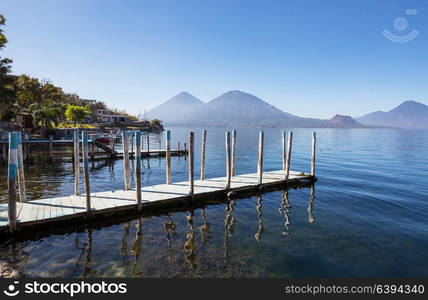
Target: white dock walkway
column 51, row 210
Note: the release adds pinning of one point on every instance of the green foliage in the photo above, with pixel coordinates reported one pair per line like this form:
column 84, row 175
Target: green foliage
column 155, row 122
column 31, row 90
column 28, row 91
column 68, row 125
column 46, row 114
column 132, row 118
column 3, row 39
column 76, row 114
column 7, row 92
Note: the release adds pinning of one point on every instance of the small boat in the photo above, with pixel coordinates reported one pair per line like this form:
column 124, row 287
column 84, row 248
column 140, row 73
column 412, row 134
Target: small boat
column 103, row 140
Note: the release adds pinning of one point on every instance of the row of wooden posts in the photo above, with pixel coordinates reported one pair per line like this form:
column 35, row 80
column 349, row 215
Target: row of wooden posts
column 25, row 137
column 50, row 143
column 16, row 169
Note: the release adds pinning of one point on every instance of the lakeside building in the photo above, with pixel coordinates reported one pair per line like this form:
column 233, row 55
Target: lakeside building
column 107, row 116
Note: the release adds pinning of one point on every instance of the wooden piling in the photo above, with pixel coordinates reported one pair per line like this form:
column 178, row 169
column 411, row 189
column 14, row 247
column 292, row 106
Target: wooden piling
column 260, row 157
column 92, row 150
column 191, row 163
column 4, row 137
column 142, row 147
column 114, row 143
column 168, row 157
column 288, row 158
column 148, row 143
column 27, row 146
column 132, row 144
column 126, row 168
column 51, row 147
column 86, row 171
column 233, row 152
column 23, row 137
column 203, row 145
column 76, row 151
column 21, row 177
column 283, row 150
column 12, row 175
column 178, row 146
column 314, row 142
column 228, row 160
column 138, row 168
column 185, row 147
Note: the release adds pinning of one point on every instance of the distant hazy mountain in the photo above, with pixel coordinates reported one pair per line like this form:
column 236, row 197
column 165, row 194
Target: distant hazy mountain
column 175, row 108
column 236, row 109
column 409, row 114
column 341, row 121
column 239, row 109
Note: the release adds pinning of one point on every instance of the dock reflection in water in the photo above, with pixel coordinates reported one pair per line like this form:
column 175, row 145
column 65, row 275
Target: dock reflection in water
column 285, row 210
column 229, row 224
column 201, row 242
column 205, row 227
column 190, row 245
column 169, row 227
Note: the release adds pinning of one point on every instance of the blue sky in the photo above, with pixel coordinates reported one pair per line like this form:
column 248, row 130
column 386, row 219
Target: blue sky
column 311, row 58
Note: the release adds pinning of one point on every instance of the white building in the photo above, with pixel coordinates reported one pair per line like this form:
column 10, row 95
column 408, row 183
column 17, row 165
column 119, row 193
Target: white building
column 107, row 116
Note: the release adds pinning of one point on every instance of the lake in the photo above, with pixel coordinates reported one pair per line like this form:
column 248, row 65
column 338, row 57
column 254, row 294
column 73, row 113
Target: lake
column 366, row 216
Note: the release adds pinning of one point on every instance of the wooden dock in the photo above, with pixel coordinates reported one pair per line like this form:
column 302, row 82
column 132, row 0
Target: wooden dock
column 47, row 212
column 96, row 150
column 101, row 155
column 82, row 208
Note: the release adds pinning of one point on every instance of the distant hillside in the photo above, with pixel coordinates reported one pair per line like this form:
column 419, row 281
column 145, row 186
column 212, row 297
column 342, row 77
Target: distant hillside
column 341, row 121
column 175, row 108
column 409, row 115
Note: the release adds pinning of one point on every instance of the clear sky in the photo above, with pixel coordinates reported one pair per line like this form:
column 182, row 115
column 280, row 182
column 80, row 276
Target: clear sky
column 307, row 57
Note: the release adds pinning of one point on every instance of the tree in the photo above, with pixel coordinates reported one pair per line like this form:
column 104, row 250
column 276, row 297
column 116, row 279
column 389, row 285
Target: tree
column 29, row 91
column 101, row 105
column 7, row 91
column 4, row 62
column 155, row 122
column 42, row 98
column 76, row 113
column 46, row 114
column 52, row 92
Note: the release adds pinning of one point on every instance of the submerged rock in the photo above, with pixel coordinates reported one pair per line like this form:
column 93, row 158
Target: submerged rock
column 7, row 271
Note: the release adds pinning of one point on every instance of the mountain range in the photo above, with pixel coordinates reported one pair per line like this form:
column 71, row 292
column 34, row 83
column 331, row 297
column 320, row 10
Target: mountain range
column 240, row 109
column 408, row 115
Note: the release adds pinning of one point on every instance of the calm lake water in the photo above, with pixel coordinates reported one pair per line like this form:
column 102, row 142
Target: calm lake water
column 368, row 216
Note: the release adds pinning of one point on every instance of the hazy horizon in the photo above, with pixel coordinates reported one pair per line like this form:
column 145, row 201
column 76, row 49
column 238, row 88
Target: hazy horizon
column 385, row 109
column 309, row 58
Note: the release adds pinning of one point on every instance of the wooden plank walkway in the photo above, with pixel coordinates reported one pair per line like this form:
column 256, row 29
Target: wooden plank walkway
column 51, row 210
column 119, row 154
column 153, row 152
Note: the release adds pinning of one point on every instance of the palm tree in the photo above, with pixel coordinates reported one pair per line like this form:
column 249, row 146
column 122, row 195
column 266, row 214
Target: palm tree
column 45, row 114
